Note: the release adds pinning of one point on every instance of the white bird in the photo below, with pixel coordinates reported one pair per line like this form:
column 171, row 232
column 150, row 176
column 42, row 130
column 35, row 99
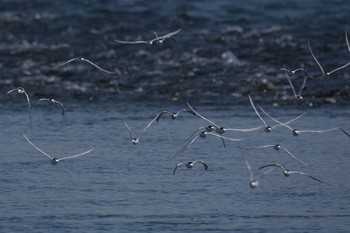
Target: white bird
column 254, row 182
column 53, row 101
column 156, row 40
column 287, row 172
column 54, row 161
column 277, row 147
column 347, row 41
column 173, row 115
column 292, row 72
column 20, row 90
column 190, row 165
column 203, row 134
column 134, row 140
column 268, row 128
column 297, row 132
column 84, row 60
column 325, row 74
column 218, row 129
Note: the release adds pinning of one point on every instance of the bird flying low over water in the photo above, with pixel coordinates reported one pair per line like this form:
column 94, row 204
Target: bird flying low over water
column 134, row 140
column 53, row 101
column 156, row 40
column 268, row 128
column 190, row 165
column 287, row 172
column 203, row 134
column 54, row 161
column 291, row 73
column 254, row 182
column 277, row 147
column 173, row 115
column 326, row 74
column 20, row 90
column 84, row 60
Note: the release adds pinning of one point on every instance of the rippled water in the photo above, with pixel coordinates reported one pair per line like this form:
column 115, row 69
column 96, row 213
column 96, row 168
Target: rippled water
column 225, row 50
column 130, row 188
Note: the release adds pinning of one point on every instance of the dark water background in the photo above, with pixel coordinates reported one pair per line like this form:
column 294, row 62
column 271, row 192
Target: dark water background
column 225, row 50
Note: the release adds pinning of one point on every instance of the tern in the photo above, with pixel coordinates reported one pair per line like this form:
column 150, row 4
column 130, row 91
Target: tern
column 277, row 147
column 292, row 72
column 190, row 165
column 84, row 60
column 20, row 90
column 53, row 101
column 156, row 40
column 134, row 140
column 203, row 134
column 297, row 132
column 287, row 172
column 326, row 74
column 54, row 161
column 268, row 128
column 173, row 115
column 218, row 129
column 254, row 182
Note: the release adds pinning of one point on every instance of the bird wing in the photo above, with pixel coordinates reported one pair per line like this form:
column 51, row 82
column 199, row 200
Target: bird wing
column 319, row 65
column 161, row 114
column 90, row 62
column 250, row 169
column 187, row 110
column 132, row 42
column 36, row 147
column 182, row 150
column 257, row 113
column 64, row 63
column 273, row 165
column 342, row 67
column 243, row 130
column 257, row 147
column 275, row 120
column 346, row 133
column 177, row 167
column 294, row 157
column 302, row 173
column 131, row 134
column 211, row 122
column 202, row 162
column 347, row 40
column 74, row 156
column 169, row 34
column 62, row 106
column 223, row 137
column 152, row 121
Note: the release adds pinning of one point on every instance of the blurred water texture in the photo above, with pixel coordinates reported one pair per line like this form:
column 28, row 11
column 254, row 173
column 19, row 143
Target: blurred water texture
column 226, row 49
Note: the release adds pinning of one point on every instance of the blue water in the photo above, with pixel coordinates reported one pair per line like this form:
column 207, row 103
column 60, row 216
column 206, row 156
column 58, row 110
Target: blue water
column 120, row 187
column 225, row 50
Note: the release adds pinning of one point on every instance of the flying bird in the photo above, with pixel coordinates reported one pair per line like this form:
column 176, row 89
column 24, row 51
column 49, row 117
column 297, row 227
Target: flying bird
column 20, row 90
column 134, row 140
column 190, row 165
column 326, row 74
column 53, row 101
column 84, row 60
column 173, row 115
column 54, row 161
column 287, row 172
column 156, row 40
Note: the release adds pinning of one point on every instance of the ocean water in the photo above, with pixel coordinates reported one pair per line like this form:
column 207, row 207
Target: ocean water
column 225, row 50
column 121, row 187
